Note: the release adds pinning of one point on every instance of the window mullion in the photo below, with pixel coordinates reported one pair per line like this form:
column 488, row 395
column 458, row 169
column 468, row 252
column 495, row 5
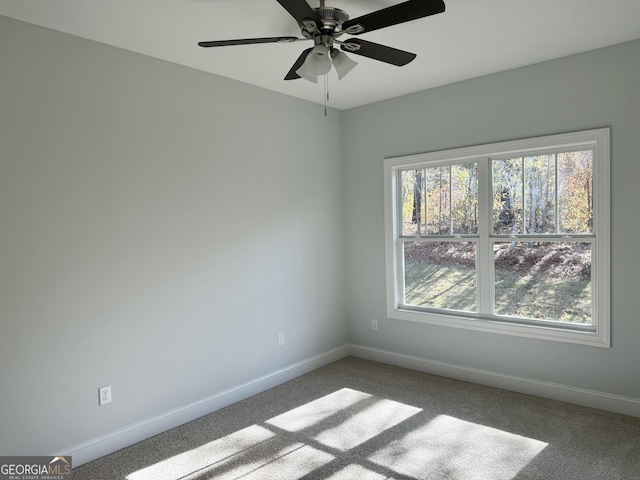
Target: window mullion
column 557, row 200
column 450, row 201
column 484, row 267
column 400, row 283
column 425, row 189
column 523, row 221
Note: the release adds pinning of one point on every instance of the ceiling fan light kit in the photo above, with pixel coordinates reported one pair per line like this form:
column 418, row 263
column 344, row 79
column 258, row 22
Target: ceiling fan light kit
column 325, row 25
column 342, row 63
column 318, row 61
column 303, row 72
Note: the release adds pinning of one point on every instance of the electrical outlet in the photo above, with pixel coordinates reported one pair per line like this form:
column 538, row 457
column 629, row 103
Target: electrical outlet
column 104, row 395
column 280, row 339
column 374, row 324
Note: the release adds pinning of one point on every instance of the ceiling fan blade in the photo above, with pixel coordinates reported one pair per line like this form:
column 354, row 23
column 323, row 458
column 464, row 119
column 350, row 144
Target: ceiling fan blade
column 377, row 51
column 299, row 9
column 400, row 13
column 247, row 41
column 292, row 75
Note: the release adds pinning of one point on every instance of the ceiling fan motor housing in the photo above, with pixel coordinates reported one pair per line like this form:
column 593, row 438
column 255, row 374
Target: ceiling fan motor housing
column 328, row 21
column 331, row 18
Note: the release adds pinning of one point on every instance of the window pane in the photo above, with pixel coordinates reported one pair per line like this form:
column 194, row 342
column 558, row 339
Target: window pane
column 540, row 194
column 507, row 196
column 575, row 191
column 543, row 280
column 464, row 214
column 441, row 275
column 413, row 220
column 438, row 202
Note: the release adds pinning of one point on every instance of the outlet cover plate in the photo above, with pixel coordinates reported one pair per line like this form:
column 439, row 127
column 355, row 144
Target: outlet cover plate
column 104, row 395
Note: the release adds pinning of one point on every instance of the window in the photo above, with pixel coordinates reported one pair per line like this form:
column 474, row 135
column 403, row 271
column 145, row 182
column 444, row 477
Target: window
column 511, row 237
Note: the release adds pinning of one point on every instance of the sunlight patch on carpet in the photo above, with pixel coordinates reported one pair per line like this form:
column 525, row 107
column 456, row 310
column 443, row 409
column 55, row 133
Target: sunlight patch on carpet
column 330, row 429
column 319, row 410
column 218, row 451
column 457, row 449
column 253, row 453
column 295, row 460
column 365, row 424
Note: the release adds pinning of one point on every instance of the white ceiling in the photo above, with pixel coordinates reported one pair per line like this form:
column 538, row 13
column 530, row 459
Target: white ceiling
column 470, row 39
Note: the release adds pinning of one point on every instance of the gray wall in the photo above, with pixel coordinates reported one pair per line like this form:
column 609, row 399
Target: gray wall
column 158, row 227
column 591, row 90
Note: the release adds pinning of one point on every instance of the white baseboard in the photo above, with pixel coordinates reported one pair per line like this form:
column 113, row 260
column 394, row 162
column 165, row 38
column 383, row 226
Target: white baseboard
column 554, row 391
column 130, row 434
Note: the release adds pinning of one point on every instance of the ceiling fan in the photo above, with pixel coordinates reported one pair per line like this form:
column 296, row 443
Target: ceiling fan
column 325, row 25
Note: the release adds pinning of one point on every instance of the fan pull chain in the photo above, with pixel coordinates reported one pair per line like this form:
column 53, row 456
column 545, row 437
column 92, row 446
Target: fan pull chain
column 326, row 93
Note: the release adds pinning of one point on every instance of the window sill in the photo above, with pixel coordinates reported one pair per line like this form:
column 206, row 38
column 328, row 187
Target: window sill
column 555, row 333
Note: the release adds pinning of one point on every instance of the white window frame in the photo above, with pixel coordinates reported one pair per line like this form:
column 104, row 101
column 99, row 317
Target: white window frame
column 597, row 334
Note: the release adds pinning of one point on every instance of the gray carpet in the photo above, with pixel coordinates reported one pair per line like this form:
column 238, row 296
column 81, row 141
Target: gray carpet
column 357, row 419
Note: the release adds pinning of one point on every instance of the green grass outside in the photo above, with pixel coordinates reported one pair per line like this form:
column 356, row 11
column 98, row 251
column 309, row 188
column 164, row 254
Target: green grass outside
column 518, row 294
